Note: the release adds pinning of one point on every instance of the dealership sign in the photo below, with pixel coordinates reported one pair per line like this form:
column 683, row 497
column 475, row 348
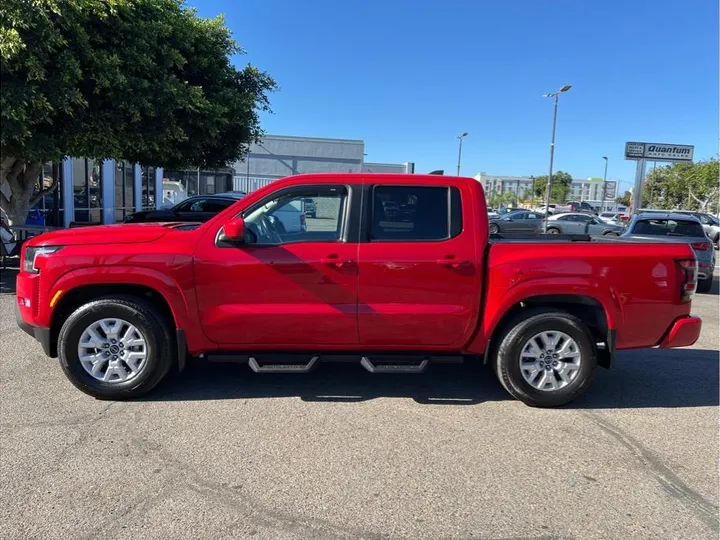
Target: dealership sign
column 659, row 151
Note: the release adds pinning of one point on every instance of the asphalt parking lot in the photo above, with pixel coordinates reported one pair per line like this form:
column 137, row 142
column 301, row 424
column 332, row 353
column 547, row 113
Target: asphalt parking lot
column 220, row 452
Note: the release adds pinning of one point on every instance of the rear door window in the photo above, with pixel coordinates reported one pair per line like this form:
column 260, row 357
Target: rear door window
column 415, row 213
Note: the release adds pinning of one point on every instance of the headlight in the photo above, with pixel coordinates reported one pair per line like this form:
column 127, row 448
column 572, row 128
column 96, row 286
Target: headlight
column 31, row 254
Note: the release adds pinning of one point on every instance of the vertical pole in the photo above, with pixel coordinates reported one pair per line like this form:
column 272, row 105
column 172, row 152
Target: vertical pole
column 459, row 155
column 638, row 188
column 107, row 190
column 159, row 195
column 137, row 182
column 602, row 203
column 68, row 194
column 548, row 187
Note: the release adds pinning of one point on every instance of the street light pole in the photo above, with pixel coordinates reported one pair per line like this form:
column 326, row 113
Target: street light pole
column 548, row 186
column 460, row 138
column 602, row 203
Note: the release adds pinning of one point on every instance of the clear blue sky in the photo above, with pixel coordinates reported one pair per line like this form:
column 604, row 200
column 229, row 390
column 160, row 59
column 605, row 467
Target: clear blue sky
column 408, row 75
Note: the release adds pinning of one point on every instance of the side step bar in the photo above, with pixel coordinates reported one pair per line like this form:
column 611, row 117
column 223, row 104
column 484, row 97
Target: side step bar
column 394, row 367
column 283, row 362
column 282, row 368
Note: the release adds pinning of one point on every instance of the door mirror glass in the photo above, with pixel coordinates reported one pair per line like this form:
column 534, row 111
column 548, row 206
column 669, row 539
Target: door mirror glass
column 234, row 230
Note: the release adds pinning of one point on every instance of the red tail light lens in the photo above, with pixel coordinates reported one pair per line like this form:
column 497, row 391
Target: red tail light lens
column 689, row 274
column 701, row 246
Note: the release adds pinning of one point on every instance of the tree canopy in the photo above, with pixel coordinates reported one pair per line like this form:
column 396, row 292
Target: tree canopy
column 560, row 186
column 688, row 186
column 147, row 81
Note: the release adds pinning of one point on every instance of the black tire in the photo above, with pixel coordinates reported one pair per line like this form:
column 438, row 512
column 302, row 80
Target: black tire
column 553, row 230
column 494, row 229
column 610, row 233
column 507, row 366
column 705, row 285
column 155, row 328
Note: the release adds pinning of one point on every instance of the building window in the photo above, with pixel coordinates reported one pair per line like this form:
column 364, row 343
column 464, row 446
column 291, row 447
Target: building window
column 49, row 209
column 147, row 186
column 124, row 190
column 87, row 191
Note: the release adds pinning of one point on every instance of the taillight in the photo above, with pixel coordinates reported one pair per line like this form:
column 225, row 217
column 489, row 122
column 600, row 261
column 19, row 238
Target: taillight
column 702, row 246
column 689, row 270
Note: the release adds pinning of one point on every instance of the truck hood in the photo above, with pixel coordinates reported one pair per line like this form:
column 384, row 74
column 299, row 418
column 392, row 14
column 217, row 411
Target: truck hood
column 139, row 233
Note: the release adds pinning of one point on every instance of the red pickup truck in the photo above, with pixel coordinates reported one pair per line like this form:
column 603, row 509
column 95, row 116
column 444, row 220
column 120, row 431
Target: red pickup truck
column 394, row 271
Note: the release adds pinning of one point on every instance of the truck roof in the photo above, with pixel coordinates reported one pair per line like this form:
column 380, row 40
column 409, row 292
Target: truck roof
column 417, row 179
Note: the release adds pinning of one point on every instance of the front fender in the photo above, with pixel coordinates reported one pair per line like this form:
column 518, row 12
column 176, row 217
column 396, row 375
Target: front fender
column 114, row 275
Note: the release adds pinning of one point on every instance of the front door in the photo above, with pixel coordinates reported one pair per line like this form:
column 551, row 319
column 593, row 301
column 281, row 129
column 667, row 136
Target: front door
column 285, row 286
column 420, row 271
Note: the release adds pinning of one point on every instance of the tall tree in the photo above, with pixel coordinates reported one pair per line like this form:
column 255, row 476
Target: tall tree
column 625, row 199
column 560, row 186
column 688, row 186
column 147, row 81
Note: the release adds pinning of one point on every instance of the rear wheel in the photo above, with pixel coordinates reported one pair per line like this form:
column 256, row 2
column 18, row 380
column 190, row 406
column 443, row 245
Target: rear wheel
column 611, row 233
column 115, row 348
column 546, row 359
column 494, row 229
column 705, row 285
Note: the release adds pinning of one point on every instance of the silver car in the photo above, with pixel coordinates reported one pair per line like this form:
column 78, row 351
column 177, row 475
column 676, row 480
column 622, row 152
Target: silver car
column 577, row 223
column 710, row 224
column 678, row 228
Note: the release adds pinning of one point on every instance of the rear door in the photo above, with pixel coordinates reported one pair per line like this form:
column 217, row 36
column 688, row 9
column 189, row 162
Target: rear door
column 420, row 274
column 576, row 223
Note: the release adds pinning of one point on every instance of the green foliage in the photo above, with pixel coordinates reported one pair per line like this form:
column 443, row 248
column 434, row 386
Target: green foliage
column 687, row 186
column 560, row 186
column 625, row 199
column 144, row 80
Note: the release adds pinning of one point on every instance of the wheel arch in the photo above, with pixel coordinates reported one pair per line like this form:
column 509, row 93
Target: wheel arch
column 590, row 310
column 79, row 295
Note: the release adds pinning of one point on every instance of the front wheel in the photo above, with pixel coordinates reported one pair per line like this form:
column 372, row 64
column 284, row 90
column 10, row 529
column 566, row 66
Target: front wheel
column 611, row 233
column 494, row 229
column 115, row 348
column 553, row 230
column 546, row 358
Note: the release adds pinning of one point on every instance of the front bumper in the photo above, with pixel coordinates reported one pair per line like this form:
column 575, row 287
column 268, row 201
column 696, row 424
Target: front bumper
column 683, row 333
column 41, row 334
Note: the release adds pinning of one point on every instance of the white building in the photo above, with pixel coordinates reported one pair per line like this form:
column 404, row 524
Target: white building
column 521, row 186
column 278, row 156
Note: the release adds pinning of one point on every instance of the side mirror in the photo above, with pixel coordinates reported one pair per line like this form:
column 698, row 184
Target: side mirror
column 234, row 230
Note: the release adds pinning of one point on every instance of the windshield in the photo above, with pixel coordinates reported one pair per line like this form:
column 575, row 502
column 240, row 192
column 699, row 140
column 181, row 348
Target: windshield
column 668, row 227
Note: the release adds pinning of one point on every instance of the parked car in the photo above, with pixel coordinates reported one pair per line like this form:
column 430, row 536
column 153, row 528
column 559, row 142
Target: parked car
column 541, row 209
column 615, row 218
column 581, row 206
column 710, row 224
column 678, row 228
column 122, row 306
column 520, row 221
column 577, row 223
column 291, row 218
column 198, row 208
